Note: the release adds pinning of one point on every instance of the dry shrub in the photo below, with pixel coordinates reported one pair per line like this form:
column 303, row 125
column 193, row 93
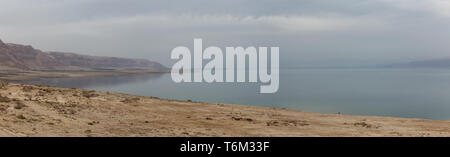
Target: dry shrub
column 3, row 84
column 4, row 99
column 19, row 105
column 21, row 117
column 27, row 88
column 130, row 100
column 89, row 94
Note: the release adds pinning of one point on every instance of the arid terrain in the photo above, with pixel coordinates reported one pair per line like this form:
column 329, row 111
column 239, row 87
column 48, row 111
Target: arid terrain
column 28, row 110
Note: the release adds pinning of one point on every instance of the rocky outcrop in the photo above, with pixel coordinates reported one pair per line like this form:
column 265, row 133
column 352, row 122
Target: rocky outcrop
column 22, row 57
column 2, row 45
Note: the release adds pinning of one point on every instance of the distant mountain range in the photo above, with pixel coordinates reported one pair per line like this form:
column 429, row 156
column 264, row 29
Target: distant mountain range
column 434, row 63
column 22, row 57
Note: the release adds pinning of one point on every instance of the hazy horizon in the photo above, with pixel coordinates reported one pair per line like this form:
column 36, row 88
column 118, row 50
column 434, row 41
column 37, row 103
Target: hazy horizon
column 309, row 33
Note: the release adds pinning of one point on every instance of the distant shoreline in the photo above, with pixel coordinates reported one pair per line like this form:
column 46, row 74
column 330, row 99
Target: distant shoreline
column 29, row 75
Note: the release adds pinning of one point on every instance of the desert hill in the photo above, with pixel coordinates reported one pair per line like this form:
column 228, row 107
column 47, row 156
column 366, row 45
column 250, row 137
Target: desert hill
column 24, row 57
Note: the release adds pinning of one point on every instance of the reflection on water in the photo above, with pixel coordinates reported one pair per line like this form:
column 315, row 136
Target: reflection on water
column 94, row 82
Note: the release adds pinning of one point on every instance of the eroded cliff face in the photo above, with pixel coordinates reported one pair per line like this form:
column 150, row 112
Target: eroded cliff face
column 22, row 57
column 2, row 45
column 32, row 59
column 7, row 60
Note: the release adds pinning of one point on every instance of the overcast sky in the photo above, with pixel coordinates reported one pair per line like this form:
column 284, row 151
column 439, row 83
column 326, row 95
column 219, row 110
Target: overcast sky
column 309, row 32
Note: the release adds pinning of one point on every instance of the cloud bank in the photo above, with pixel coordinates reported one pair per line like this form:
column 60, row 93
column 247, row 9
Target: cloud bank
column 309, row 33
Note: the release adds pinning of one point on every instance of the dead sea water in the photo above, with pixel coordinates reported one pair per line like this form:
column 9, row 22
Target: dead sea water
column 412, row 93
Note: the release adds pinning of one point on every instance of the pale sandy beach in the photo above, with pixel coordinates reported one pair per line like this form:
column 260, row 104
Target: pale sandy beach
column 27, row 110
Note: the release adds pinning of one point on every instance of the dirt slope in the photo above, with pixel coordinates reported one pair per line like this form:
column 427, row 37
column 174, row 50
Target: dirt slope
column 27, row 110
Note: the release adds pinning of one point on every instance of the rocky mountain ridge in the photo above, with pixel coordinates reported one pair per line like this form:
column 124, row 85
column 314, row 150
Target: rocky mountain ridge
column 25, row 57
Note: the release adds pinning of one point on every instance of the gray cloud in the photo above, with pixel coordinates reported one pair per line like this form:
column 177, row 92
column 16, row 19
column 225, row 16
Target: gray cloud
column 309, row 32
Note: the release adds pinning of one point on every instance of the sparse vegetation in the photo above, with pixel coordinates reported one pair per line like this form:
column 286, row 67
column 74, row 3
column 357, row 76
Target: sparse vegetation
column 240, row 118
column 20, row 117
column 4, row 99
column 130, row 100
column 364, row 124
column 89, row 94
column 3, row 107
column 3, row 84
column 40, row 93
column 287, row 123
column 47, row 90
column 27, row 88
column 93, row 122
column 19, row 105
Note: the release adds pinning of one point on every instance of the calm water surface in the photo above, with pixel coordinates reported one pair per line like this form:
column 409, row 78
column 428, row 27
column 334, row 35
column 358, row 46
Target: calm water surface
column 417, row 93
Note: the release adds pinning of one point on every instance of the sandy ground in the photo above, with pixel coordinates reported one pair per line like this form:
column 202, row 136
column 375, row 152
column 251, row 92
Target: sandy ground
column 27, row 110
